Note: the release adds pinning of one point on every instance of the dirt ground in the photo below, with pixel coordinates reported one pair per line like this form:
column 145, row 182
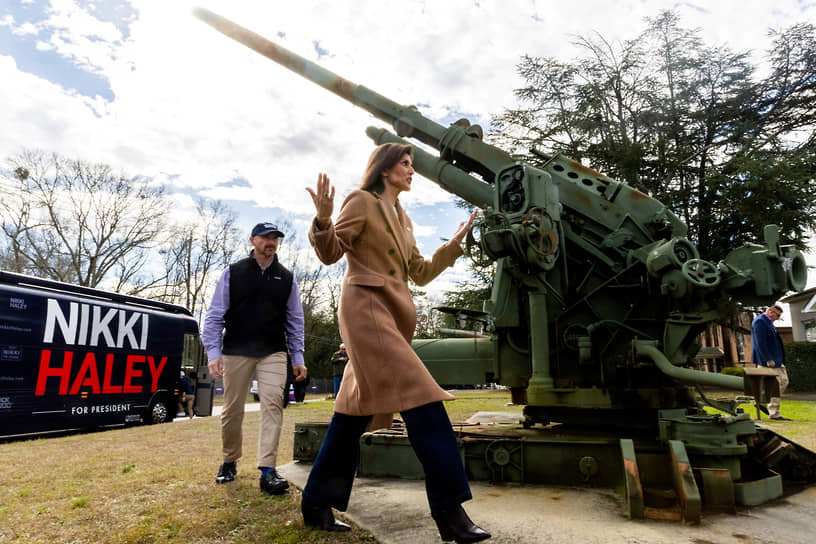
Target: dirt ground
column 396, row 512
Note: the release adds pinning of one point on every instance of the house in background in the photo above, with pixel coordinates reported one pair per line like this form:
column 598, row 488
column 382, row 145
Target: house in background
column 729, row 343
column 802, row 314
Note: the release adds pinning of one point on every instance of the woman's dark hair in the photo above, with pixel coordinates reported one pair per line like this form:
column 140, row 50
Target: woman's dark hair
column 383, row 158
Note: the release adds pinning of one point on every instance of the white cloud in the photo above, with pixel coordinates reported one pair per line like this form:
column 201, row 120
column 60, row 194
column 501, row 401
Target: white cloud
column 24, row 29
column 193, row 103
column 79, row 36
column 424, row 230
column 40, row 114
column 195, row 108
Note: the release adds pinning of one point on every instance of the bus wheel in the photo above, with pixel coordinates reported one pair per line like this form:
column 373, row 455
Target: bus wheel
column 159, row 412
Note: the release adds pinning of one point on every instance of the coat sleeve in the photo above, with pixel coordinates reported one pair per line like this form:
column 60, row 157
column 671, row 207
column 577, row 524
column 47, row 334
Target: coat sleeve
column 422, row 270
column 331, row 243
column 765, row 344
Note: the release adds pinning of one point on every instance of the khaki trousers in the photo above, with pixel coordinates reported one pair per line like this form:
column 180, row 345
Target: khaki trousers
column 186, row 405
column 782, row 379
column 270, row 371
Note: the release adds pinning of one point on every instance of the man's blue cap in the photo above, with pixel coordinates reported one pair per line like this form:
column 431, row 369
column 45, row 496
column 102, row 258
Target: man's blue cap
column 265, row 228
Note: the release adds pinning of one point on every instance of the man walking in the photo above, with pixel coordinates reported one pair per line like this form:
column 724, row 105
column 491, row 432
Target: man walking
column 339, row 360
column 186, row 397
column 257, row 306
column 767, row 351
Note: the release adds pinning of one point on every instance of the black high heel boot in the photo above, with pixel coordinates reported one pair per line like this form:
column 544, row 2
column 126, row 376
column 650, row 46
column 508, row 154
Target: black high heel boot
column 321, row 517
column 454, row 524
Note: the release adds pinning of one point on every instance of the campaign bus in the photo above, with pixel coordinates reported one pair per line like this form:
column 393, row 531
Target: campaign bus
column 74, row 357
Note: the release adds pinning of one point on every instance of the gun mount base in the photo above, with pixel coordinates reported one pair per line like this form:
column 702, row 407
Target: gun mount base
column 695, row 463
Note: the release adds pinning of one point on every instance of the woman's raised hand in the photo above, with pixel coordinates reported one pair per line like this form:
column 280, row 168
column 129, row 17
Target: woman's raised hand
column 323, row 198
column 464, row 227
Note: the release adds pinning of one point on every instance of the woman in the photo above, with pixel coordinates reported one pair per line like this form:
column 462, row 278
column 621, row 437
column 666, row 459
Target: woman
column 377, row 320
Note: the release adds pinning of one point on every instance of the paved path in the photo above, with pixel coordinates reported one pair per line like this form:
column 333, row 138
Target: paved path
column 396, row 512
column 248, row 407
column 216, row 411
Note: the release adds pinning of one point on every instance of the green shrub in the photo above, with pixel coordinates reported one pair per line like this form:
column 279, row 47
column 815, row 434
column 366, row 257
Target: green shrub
column 732, row 371
column 800, row 361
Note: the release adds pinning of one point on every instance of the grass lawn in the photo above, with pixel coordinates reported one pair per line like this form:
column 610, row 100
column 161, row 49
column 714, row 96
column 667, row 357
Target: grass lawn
column 800, row 430
column 156, row 483
column 151, row 484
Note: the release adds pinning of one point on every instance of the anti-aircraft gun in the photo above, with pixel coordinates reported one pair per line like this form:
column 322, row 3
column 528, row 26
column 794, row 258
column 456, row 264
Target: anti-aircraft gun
column 597, row 304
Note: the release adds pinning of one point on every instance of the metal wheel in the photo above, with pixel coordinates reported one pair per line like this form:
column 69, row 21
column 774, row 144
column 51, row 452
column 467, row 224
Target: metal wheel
column 504, row 459
column 540, row 231
column 701, row 273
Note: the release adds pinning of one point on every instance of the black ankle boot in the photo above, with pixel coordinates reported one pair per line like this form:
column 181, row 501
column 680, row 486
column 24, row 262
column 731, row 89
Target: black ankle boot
column 321, row 517
column 454, row 524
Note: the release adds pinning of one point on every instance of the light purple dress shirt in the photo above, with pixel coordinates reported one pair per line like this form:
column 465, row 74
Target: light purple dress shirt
column 214, row 321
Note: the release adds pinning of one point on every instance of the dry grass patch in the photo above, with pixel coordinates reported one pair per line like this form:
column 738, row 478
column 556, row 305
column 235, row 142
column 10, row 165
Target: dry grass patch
column 152, row 484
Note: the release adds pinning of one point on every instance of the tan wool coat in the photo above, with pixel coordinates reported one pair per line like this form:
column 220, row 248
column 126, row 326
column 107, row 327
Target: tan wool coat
column 376, row 314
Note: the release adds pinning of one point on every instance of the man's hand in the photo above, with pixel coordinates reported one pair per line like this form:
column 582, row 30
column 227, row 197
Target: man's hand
column 771, row 364
column 216, row 367
column 300, row 372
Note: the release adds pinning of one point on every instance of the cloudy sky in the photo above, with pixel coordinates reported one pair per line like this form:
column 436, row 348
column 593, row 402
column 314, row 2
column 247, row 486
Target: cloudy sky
column 146, row 87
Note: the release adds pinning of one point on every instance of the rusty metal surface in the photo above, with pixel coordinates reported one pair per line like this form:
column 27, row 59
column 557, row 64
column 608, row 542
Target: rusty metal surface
column 633, row 491
column 690, row 501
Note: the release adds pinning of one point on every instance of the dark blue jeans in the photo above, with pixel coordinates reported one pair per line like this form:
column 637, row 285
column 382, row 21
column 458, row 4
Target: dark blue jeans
column 431, row 436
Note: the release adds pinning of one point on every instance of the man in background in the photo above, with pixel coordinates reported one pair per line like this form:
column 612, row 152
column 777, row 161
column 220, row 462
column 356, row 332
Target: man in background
column 339, row 360
column 767, row 350
column 186, row 396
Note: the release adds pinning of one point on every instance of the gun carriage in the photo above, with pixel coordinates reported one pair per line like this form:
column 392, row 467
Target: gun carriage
column 598, row 300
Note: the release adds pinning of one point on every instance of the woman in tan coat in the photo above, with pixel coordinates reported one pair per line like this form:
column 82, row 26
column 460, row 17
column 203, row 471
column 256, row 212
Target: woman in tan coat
column 377, row 321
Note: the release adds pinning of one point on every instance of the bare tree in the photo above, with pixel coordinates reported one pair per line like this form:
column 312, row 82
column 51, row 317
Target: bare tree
column 78, row 222
column 333, row 286
column 426, row 315
column 197, row 250
column 309, row 273
column 15, row 207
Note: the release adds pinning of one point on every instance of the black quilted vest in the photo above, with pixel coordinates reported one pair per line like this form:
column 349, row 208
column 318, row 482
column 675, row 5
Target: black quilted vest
column 254, row 322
